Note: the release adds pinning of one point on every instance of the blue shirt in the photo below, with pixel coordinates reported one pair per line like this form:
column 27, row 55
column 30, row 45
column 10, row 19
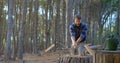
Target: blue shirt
column 79, row 31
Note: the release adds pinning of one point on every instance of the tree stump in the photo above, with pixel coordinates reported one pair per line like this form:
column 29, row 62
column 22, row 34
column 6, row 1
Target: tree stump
column 75, row 59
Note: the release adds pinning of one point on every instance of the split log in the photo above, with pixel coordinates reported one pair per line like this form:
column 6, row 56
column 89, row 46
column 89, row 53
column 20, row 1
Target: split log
column 49, row 48
column 75, row 59
column 46, row 50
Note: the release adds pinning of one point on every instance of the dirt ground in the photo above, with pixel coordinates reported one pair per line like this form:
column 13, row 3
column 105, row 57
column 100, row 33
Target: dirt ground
column 32, row 58
column 41, row 59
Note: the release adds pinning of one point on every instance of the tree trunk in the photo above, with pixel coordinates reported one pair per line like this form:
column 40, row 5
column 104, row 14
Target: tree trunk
column 46, row 24
column 69, row 19
column 30, row 26
column 57, row 24
column 84, row 10
column 15, row 30
column 36, row 26
column 77, row 6
column 117, row 27
column 95, row 32
column 118, row 20
column 52, row 23
column 10, row 28
column 21, row 44
column 1, row 26
column 63, row 21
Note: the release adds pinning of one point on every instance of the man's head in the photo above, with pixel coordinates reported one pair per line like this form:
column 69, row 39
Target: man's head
column 77, row 19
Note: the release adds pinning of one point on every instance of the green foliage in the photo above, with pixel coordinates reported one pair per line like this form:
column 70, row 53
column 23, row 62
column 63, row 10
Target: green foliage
column 113, row 38
column 112, row 3
column 111, row 42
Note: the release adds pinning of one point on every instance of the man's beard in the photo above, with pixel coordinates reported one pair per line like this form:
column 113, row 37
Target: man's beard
column 77, row 24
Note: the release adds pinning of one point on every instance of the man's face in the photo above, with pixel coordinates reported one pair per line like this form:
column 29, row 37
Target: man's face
column 77, row 21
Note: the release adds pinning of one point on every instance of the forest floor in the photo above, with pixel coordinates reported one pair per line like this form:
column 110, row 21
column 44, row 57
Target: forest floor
column 41, row 59
column 32, row 58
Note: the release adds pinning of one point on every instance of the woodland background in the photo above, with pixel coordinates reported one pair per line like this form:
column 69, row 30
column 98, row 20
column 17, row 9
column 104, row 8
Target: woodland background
column 30, row 26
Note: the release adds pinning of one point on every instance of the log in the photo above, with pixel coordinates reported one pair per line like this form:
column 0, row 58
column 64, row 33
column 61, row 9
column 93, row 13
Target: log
column 75, row 59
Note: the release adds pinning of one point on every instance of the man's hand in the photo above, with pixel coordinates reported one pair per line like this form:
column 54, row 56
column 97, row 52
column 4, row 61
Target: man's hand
column 74, row 45
column 78, row 41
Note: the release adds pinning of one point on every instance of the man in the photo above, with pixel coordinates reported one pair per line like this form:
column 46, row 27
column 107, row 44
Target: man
column 78, row 31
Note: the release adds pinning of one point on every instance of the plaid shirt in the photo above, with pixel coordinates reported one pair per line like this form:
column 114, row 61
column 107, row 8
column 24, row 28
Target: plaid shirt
column 79, row 31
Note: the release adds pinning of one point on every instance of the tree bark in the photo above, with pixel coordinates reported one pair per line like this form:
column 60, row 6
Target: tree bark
column 10, row 28
column 77, row 6
column 57, row 24
column 36, row 26
column 69, row 19
column 21, row 44
column 63, row 21
column 30, row 26
column 117, row 27
column 1, row 27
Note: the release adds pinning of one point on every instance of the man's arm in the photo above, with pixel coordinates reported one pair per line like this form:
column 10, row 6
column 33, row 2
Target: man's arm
column 78, row 40
column 83, row 34
column 72, row 32
column 74, row 43
column 73, row 39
